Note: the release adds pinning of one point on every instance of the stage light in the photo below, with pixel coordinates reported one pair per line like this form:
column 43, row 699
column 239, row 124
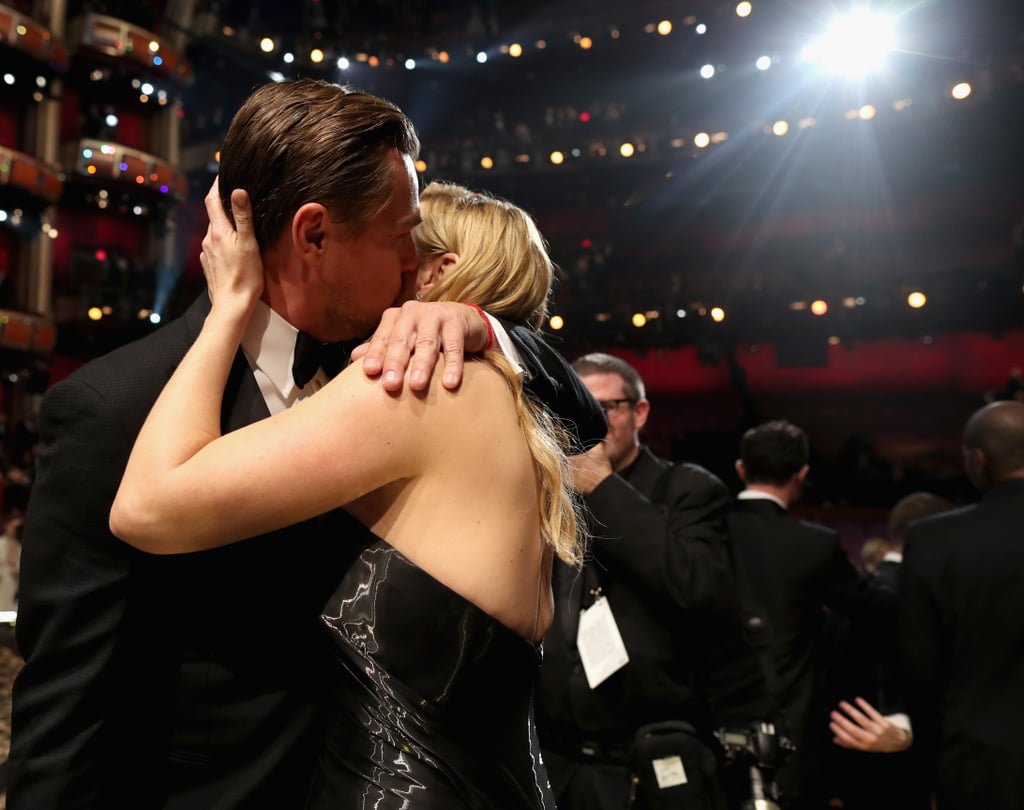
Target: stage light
column 701, row 139
column 854, row 44
column 421, row 165
column 701, row 29
column 961, row 91
column 665, row 27
column 267, row 45
column 780, row 128
column 155, row 318
column 639, row 320
column 481, row 57
column 94, row 313
column 557, row 158
column 717, row 314
column 627, row 150
column 154, row 46
column 275, row 75
column 819, row 307
column 556, row 322
column 680, row 313
column 586, row 43
column 916, row 300
column 343, row 63
column 515, row 50
column 288, row 58
column 487, row 162
column 147, row 89
column 40, row 82
column 373, row 61
column 316, row 55
column 867, row 112
column 443, row 57
column 707, row 71
column 410, row 64
column 763, row 62
column 743, row 9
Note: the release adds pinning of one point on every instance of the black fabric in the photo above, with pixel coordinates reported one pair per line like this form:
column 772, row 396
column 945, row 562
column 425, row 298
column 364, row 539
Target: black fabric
column 962, row 636
column 660, row 565
column 431, row 698
column 311, row 355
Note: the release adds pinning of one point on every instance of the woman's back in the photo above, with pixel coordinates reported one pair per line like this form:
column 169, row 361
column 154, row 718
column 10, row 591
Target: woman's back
column 471, row 518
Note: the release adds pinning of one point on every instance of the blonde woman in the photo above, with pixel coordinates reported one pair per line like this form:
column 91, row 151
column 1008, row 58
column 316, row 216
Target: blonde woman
column 463, row 496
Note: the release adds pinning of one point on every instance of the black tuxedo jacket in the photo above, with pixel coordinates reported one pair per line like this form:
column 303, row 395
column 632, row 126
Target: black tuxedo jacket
column 657, row 563
column 962, row 630
column 188, row 681
column 793, row 570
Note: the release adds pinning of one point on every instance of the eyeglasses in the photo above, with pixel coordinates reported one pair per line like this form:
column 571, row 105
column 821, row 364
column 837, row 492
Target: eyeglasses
column 609, row 405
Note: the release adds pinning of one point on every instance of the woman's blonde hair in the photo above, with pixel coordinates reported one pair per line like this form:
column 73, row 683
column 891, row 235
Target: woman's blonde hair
column 504, row 267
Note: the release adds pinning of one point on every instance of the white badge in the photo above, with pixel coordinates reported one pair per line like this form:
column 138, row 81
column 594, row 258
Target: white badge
column 600, row 644
column 669, row 772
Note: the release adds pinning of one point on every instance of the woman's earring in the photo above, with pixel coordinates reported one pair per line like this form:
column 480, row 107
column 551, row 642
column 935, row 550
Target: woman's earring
column 419, row 295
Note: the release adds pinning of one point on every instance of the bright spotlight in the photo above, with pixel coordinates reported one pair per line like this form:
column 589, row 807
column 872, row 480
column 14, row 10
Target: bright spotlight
column 717, row 314
column 665, row 27
column 701, row 139
column 288, row 58
column 639, row 320
column 780, row 128
column 266, row 45
column 701, row 29
column 556, row 322
column 515, row 50
column 854, row 44
column 410, row 64
column 487, row 162
column 961, row 91
column 557, row 158
column 343, row 63
column 111, row 120
column 707, row 71
column 743, row 9
column 867, row 112
column 627, row 150
column 916, row 300
column 481, row 57
column 819, row 307
column 763, row 62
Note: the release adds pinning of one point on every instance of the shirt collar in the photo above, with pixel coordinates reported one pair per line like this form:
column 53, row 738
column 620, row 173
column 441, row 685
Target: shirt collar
column 759, row 495
column 269, row 345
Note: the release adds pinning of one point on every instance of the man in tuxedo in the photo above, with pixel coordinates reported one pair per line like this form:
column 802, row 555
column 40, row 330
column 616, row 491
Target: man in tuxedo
column 962, row 624
column 656, row 560
column 791, row 569
column 194, row 681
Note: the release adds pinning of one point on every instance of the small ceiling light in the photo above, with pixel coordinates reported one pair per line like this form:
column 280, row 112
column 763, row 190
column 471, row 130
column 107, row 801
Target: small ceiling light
column 780, row 128
column 515, row 50
column 94, row 313
column 343, row 63
column 639, row 320
column 267, row 45
column 316, row 55
column 665, row 27
column 717, row 314
column 701, row 139
column 701, row 29
column 557, row 158
column 961, row 91
column 707, row 71
column 556, row 322
column 627, row 150
column 867, row 112
column 288, row 57
column 819, row 307
column 586, row 43
column 410, row 64
column 487, row 162
column 481, row 57
column 743, row 9
column 763, row 62
column 916, row 300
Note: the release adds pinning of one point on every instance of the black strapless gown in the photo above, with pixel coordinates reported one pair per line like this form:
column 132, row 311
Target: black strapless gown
column 431, row 704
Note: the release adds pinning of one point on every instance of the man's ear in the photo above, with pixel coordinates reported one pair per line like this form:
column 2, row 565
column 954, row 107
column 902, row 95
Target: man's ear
column 741, row 471
column 801, row 476
column 641, row 410
column 309, row 226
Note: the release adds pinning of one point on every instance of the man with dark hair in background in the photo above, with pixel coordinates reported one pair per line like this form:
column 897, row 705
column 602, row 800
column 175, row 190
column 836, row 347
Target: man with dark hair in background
column 194, row 681
column 962, row 624
column 791, row 569
column 656, row 563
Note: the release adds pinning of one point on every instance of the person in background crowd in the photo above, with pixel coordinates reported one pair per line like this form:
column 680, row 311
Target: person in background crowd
column 656, row 565
column 962, row 624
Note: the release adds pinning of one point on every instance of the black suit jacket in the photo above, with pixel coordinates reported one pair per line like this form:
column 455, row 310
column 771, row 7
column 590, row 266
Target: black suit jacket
column 188, row 681
column 794, row 569
column 962, row 628
column 656, row 563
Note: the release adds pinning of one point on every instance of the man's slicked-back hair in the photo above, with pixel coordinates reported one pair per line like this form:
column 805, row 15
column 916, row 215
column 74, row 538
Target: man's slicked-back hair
column 302, row 141
column 772, row 453
column 601, row 363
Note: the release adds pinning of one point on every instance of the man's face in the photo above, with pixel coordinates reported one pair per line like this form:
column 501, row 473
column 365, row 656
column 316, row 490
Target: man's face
column 624, row 418
column 369, row 272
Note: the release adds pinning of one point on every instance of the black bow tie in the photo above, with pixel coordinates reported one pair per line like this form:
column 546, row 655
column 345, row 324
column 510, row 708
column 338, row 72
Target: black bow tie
column 311, row 355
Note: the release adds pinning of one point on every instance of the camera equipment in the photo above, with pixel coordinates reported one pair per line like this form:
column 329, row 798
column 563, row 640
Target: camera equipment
column 762, row 749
